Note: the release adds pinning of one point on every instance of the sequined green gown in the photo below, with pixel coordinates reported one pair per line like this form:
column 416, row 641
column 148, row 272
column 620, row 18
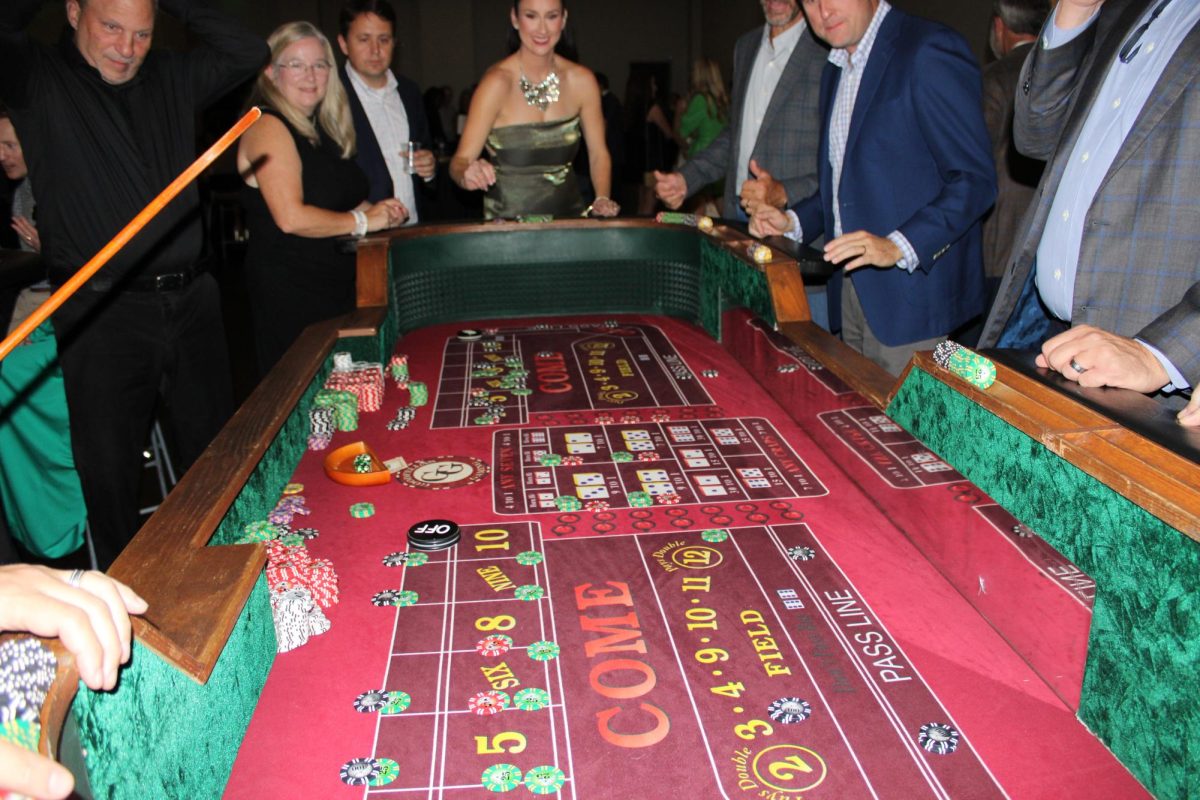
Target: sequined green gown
column 533, row 170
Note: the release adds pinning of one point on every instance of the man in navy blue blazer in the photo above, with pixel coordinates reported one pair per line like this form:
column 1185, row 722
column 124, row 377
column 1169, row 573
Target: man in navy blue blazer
column 906, row 173
column 388, row 110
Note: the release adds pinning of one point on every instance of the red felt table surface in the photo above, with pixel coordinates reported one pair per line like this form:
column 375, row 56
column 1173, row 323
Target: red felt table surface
column 674, row 644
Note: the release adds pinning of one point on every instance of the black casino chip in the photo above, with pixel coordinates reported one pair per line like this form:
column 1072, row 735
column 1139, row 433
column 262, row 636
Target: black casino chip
column 387, row 597
column 372, row 701
column 307, row 533
column 939, row 738
column 359, row 771
column 789, row 710
column 801, row 553
column 434, row 534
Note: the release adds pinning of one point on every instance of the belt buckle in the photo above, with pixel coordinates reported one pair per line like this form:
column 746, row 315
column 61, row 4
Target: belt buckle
column 171, row 282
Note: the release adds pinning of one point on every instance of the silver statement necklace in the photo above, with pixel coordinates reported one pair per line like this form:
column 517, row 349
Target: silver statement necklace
column 540, row 94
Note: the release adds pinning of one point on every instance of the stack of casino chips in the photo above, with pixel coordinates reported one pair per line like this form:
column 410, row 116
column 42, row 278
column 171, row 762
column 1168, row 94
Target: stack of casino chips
column 418, row 394
column 27, row 669
column 362, row 379
column 344, row 406
column 260, row 531
column 404, row 417
column 290, row 567
column 321, row 427
column 286, row 510
column 398, row 368
column 297, row 617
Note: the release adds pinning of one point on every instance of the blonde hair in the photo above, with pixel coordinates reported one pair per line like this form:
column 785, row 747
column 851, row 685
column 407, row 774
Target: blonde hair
column 708, row 83
column 333, row 113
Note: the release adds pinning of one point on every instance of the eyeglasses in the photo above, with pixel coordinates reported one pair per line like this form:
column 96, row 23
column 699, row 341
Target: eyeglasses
column 299, row 67
column 1134, row 43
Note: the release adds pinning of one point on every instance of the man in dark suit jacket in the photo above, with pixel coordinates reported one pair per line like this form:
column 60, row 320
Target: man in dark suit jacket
column 906, row 174
column 1015, row 25
column 1128, row 280
column 367, row 39
column 785, row 132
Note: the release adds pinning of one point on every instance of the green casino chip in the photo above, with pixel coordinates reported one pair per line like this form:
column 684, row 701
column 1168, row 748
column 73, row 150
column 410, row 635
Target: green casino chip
column 292, row 540
column 640, row 499
column 531, row 699
column 389, row 770
column 405, row 599
column 522, row 392
column 21, row 732
column 621, row 456
column 529, row 592
column 568, row 502
column 550, row 459
column 530, row 558
column 714, row 535
column 501, row 778
column 362, row 510
column 398, row 703
column 416, row 559
column 545, row 780
column 543, row 650
column 260, row 531
column 362, row 462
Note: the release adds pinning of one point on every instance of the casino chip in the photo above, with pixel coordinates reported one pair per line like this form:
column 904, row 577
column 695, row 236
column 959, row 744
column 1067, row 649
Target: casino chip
column 550, row 459
column 801, row 553
column 405, row 559
column 596, row 505
column 469, row 335
column 307, row 533
column 787, row 368
column 293, row 488
column 292, row 540
column 572, row 461
column 360, row 771
column 603, row 418
column 386, row 598
column 389, row 770
column 647, row 455
column 398, row 702
column 531, row 699
column 714, row 535
column 789, row 710
column 640, row 499
column 709, row 373
column 405, row 599
column 543, row 651
column 668, row 499
column 485, row 704
column 501, row 778
column 568, row 502
column 938, row 738
column 362, row 510
column 370, row 702
column 21, row 732
column 621, row 456
column 495, row 645
column 529, row 592
column 530, row 558
column 545, row 780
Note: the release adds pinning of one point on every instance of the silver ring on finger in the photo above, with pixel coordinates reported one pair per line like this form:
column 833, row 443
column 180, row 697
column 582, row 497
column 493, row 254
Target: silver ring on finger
column 75, row 578
column 1076, row 366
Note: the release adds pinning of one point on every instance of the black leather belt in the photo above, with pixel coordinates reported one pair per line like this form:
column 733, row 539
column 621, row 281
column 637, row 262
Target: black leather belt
column 169, row 282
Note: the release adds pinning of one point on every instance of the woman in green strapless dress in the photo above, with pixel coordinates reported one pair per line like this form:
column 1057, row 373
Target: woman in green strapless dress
column 531, row 111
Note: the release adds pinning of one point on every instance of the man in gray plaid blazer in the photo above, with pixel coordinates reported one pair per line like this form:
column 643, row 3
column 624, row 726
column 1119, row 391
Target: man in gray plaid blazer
column 788, row 126
column 1110, row 97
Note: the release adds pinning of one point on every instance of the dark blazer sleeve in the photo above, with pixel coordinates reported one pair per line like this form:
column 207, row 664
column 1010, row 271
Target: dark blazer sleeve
column 1048, row 85
column 947, row 82
column 712, row 163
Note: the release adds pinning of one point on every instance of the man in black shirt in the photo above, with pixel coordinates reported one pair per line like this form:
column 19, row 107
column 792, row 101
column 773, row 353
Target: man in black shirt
column 107, row 124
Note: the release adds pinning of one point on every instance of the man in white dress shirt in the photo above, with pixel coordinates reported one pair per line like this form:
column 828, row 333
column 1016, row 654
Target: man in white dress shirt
column 387, row 108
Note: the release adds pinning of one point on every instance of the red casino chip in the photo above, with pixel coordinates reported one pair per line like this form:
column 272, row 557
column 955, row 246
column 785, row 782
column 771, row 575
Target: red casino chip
column 493, row 645
column 660, row 416
column 630, row 417
column 596, row 505
column 572, row 461
column 647, row 455
column 485, row 704
column 668, row 499
column 603, row 418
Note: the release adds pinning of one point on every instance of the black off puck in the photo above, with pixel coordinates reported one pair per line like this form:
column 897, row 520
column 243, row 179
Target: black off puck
column 434, row 534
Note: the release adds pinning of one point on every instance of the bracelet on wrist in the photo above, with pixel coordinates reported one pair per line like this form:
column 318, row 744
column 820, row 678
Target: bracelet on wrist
column 360, row 223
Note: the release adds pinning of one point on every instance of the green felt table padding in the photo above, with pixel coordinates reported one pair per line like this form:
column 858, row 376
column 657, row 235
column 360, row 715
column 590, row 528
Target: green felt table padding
column 162, row 734
column 1140, row 693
